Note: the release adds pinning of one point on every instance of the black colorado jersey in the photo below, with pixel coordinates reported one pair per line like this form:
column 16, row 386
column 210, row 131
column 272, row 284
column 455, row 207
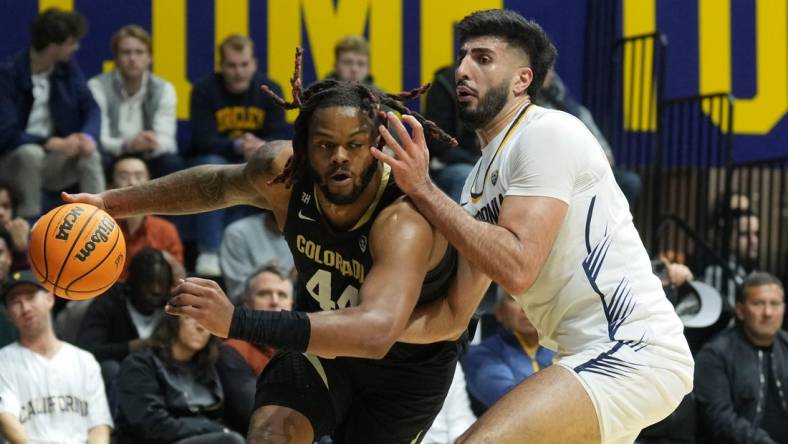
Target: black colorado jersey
column 331, row 264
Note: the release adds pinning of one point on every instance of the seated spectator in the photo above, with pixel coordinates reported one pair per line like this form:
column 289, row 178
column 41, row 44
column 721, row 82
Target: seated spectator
column 502, row 361
column 455, row 416
column 18, row 228
column 450, row 165
column 555, row 95
column 7, row 330
column 172, row 392
column 351, row 60
column 743, row 233
column 49, row 388
column 741, row 375
column 137, row 107
column 49, row 121
column 122, row 320
column 247, row 244
column 143, row 231
column 267, row 288
column 230, row 118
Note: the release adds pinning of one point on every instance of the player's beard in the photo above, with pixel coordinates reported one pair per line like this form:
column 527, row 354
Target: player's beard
column 345, row 199
column 489, row 106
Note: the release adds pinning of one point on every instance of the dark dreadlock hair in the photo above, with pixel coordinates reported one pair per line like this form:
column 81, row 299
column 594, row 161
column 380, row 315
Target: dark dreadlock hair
column 330, row 93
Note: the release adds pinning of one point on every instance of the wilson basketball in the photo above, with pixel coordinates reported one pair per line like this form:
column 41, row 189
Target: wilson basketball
column 77, row 251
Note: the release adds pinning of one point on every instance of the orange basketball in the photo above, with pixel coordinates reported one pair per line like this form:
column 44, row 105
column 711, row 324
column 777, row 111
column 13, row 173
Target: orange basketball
column 77, row 251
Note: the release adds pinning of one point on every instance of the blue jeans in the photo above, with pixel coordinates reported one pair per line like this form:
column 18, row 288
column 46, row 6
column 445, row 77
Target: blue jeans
column 205, row 229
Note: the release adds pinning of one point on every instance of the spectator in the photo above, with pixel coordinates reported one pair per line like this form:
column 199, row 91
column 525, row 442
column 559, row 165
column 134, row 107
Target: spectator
column 231, row 117
column 267, row 288
column 122, row 320
column 504, row 360
column 137, row 107
column 455, row 416
column 49, row 122
column 247, row 244
column 171, row 392
column 351, row 60
column 740, row 376
column 17, row 227
column 555, row 95
column 450, row 165
column 51, row 388
column 743, row 236
column 7, row 330
column 143, row 231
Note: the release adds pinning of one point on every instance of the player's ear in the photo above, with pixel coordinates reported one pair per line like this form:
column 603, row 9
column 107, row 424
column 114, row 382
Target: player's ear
column 523, row 78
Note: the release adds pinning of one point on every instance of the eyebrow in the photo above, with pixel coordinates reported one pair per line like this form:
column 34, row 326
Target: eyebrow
column 477, row 50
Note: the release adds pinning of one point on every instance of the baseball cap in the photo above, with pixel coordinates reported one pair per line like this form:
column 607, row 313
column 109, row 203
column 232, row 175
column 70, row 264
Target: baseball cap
column 18, row 278
column 698, row 305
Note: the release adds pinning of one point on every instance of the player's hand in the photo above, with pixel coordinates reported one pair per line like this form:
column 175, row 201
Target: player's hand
column 205, row 302
column 411, row 161
column 92, row 199
column 20, row 232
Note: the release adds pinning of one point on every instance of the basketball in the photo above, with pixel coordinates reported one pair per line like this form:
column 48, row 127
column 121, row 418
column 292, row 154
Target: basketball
column 77, row 251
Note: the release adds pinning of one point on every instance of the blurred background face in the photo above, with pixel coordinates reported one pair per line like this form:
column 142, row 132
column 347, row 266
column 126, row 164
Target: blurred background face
column 746, row 237
column 63, row 51
column 238, row 68
column 191, row 335
column 512, row 317
column 762, row 311
column 269, row 292
column 150, row 291
column 129, row 172
column 132, row 58
column 28, row 307
column 6, row 211
column 6, row 258
column 352, row 66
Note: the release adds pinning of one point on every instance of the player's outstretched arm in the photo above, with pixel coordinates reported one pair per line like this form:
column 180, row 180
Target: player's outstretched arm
column 198, row 189
column 512, row 252
column 401, row 241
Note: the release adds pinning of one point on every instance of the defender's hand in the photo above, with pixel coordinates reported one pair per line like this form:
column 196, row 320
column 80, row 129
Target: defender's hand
column 205, row 302
column 411, row 164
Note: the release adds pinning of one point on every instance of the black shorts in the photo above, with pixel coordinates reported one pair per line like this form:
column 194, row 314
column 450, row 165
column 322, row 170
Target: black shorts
column 354, row 400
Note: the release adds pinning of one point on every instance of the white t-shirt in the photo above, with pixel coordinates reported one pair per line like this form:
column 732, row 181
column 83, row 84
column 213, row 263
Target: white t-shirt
column 57, row 400
column 597, row 284
column 39, row 122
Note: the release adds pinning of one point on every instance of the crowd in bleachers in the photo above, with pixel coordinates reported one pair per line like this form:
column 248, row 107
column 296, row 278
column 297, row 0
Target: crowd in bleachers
column 125, row 370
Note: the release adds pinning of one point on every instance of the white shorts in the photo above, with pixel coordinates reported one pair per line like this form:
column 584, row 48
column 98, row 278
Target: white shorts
column 631, row 388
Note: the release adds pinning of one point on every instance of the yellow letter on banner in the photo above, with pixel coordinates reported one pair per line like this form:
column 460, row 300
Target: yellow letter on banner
column 438, row 18
column 325, row 25
column 232, row 17
column 638, row 83
column 169, row 48
column 761, row 113
column 66, row 5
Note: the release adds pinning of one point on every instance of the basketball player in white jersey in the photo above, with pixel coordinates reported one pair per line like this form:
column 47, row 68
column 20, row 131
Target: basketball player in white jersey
column 542, row 215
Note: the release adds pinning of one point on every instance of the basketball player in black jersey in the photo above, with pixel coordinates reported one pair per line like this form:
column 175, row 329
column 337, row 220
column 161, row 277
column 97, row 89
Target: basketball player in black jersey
column 365, row 258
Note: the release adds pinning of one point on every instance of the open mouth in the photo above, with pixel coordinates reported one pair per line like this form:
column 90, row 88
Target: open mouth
column 340, row 178
column 464, row 93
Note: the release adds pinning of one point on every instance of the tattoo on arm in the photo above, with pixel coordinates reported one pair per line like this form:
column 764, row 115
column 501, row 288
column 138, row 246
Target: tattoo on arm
column 267, row 433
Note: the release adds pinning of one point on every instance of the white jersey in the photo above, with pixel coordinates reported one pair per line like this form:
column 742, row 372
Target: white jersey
column 57, row 400
column 597, row 284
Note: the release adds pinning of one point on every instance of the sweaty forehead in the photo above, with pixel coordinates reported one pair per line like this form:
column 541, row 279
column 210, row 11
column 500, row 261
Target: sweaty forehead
column 335, row 120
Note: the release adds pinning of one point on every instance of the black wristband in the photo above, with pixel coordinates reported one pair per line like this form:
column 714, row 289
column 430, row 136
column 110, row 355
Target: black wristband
column 282, row 330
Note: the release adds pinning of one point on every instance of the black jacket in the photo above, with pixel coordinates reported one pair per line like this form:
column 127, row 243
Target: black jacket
column 107, row 327
column 153, row 410
column 728, row 390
